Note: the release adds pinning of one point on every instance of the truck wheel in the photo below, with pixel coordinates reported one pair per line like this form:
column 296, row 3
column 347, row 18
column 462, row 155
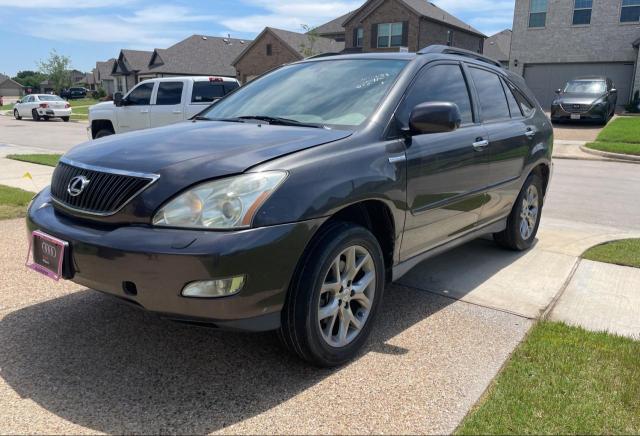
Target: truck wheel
column 65, row 119
column 16, row 114
column 102, row 133
column 334, row 296
column 524, row 219
column 34, row 115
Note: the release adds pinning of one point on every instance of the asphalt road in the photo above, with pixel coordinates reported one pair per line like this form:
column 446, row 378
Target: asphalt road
column 54, row 136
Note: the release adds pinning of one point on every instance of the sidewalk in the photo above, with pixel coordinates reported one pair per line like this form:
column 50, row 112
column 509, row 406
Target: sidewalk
column 12, row 173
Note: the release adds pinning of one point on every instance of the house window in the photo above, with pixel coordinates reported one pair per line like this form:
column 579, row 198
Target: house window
column 630, row 12
column 582, row 12
column 359, row 37
column 389, row 35
column 269, row 50
column 450, row 38
column 538, row 13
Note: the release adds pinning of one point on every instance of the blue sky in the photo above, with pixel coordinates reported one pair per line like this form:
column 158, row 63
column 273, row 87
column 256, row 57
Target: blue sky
column 91, row 30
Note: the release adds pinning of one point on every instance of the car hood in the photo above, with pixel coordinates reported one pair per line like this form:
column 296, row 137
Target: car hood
column 200, row 150
column 578, row 98
column 103, row 105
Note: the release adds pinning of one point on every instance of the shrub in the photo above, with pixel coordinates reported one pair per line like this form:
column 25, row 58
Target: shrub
column 634, row 106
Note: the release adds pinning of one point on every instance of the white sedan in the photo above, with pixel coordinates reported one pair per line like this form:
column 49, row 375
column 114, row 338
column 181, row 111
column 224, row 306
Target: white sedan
column 42, row 107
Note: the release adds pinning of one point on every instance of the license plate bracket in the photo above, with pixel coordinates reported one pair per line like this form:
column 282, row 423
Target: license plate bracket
column 575, row 116
column 46, row 254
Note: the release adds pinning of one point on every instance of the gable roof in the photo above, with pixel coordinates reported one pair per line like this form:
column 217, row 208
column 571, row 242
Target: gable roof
column 334, row 26
column 427, row 10
column 132, row 60
column 103, row 69
column 198, row 55
column 6, row 80
column 297, row 42
column 498, row 46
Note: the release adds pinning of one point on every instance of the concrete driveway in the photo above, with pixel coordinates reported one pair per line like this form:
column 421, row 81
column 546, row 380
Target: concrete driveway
column 53, row 136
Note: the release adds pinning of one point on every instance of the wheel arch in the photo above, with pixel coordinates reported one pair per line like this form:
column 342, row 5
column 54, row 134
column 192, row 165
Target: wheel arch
column 97, row 125
column 543, row 170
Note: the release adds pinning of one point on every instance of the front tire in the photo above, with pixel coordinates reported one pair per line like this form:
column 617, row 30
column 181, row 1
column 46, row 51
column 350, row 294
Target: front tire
column 65, row 119
column 334, row 296
column 524, row 219
column 16, row 114
column 102, row 133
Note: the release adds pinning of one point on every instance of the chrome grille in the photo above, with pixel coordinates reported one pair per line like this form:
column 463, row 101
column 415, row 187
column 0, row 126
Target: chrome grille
column 106, row 193
column 576, row 108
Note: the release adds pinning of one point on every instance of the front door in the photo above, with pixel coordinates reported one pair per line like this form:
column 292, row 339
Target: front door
column 134, row 114
column 169, row 104
column 447, row 173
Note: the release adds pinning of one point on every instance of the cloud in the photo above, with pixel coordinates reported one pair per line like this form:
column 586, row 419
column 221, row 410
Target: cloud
column 289, row 14
column 62, row 4
column 488, row 16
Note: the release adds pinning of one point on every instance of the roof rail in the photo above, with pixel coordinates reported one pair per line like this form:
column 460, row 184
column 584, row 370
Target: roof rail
column 445, row 49
column 323, row 55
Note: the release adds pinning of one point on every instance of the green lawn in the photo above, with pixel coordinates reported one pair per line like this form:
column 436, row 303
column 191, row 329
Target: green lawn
column 42, row 159
column 83, row 102
column 6, row 107
column 621, row 135
column 563, row 380
column 13, row 202
column 625, row 252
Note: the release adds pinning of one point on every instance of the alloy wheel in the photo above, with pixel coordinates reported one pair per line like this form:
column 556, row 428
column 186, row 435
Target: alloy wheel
column 346, row 296
column 529, row 212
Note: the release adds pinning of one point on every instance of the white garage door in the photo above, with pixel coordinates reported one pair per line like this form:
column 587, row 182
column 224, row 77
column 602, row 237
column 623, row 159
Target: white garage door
column 544, row 79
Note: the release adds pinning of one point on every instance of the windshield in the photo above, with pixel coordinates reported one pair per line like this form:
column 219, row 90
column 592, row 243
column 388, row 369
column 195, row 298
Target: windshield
column 585, row 87
column 49, row 98
column 333, row 92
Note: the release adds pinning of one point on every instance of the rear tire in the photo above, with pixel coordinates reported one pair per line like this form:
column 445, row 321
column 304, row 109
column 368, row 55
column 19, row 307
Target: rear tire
column 35, row 115
column 334, row 296
column 65, row 119
column 524, row 219
column 102, row 133
column 16, row 114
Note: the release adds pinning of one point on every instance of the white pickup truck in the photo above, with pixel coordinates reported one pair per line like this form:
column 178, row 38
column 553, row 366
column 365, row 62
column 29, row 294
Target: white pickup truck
column 157, row 102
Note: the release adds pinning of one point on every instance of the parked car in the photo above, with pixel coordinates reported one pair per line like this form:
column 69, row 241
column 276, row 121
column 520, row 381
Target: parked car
column 290, row 203
column 585, row 98
column 157, row 102
column 72, row 93
column 42, row 107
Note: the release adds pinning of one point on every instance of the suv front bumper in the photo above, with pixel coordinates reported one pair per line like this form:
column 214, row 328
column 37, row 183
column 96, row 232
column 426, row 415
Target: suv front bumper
column 162, row 261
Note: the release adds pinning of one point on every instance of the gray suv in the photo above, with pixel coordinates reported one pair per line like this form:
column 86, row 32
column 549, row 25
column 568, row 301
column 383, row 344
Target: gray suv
column 289, row 204
column 585, row 98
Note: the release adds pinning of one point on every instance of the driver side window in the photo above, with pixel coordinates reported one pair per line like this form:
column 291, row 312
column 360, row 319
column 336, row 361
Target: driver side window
column 141, row 95
column 441, row 83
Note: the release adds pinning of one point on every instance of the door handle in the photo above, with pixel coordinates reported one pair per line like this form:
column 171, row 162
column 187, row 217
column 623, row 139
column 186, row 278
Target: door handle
column 530, row 133
column 177, row 112
column 397, row 159
column 144, row 111
column 480, row 144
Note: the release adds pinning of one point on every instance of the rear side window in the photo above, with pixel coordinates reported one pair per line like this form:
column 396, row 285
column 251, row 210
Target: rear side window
column 523, row 102
column 442, row 83
column 140, row 96
column 514, row 107
column 169, row 93
column 206, row 92
column 491, row 97
column 230, row 86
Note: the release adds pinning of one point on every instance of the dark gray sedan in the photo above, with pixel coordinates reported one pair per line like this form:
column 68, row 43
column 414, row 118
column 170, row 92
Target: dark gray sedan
column 585, row 98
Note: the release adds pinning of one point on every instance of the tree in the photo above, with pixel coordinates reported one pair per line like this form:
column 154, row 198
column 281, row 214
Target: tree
column 29, row 79
column 312, row 36
column 56, row 68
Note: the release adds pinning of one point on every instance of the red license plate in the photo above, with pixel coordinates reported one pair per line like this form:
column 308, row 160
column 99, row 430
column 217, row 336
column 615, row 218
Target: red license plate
column 46, row 254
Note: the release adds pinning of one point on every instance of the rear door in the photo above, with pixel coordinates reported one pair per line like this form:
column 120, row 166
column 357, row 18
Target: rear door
column 169, row 104
column 509, row 135
column 203, row 94
column 447, row 173
column 134, row 115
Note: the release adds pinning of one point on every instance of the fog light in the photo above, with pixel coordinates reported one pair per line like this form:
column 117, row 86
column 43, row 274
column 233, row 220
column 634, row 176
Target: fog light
column 214, row 288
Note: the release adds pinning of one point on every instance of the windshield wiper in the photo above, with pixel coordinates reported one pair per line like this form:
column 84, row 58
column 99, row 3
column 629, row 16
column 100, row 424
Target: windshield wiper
column 280, row 121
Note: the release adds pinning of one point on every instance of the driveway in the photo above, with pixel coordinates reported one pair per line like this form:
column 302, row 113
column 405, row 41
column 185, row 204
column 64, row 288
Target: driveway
column 577, row 131
column 26, row 135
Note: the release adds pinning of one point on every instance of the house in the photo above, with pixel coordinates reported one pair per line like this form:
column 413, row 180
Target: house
column 388, row 25
column 9, row 87
column 334, row 28
column 103, row 76
column 198, row 55
column 127, row 69
column 275, row 47
column 498, row 47
column 554, row 41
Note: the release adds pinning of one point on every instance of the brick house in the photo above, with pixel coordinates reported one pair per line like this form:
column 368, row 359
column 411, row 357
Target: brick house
column 275, row 47
column 387, row 25
column 498, row 47
column 557, row 40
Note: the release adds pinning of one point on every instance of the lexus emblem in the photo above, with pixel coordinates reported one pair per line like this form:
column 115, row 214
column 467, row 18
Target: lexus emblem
column 77, row 185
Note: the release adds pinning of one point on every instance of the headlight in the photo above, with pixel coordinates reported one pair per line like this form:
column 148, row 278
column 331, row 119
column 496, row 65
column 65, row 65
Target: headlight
column 222, row 204
column 600, row 102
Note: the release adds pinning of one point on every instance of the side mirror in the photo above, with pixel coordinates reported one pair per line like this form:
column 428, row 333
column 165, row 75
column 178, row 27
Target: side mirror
column 117, row 99
column 434, row 117
column 558, row 91
column 613, row 90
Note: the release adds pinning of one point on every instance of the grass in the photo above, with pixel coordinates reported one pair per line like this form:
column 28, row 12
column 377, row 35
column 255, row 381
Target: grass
column 6, row 107
column 13, row 202
column 83, row 102
column 41, row 159
column 622, row 135
column 625, row 252
column 563, row 380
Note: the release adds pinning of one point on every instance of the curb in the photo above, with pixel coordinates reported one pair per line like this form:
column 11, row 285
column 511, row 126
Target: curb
column 611, row 156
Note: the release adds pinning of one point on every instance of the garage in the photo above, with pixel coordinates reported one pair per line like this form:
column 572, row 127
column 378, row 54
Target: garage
column 545, row 79
column 10, row 88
